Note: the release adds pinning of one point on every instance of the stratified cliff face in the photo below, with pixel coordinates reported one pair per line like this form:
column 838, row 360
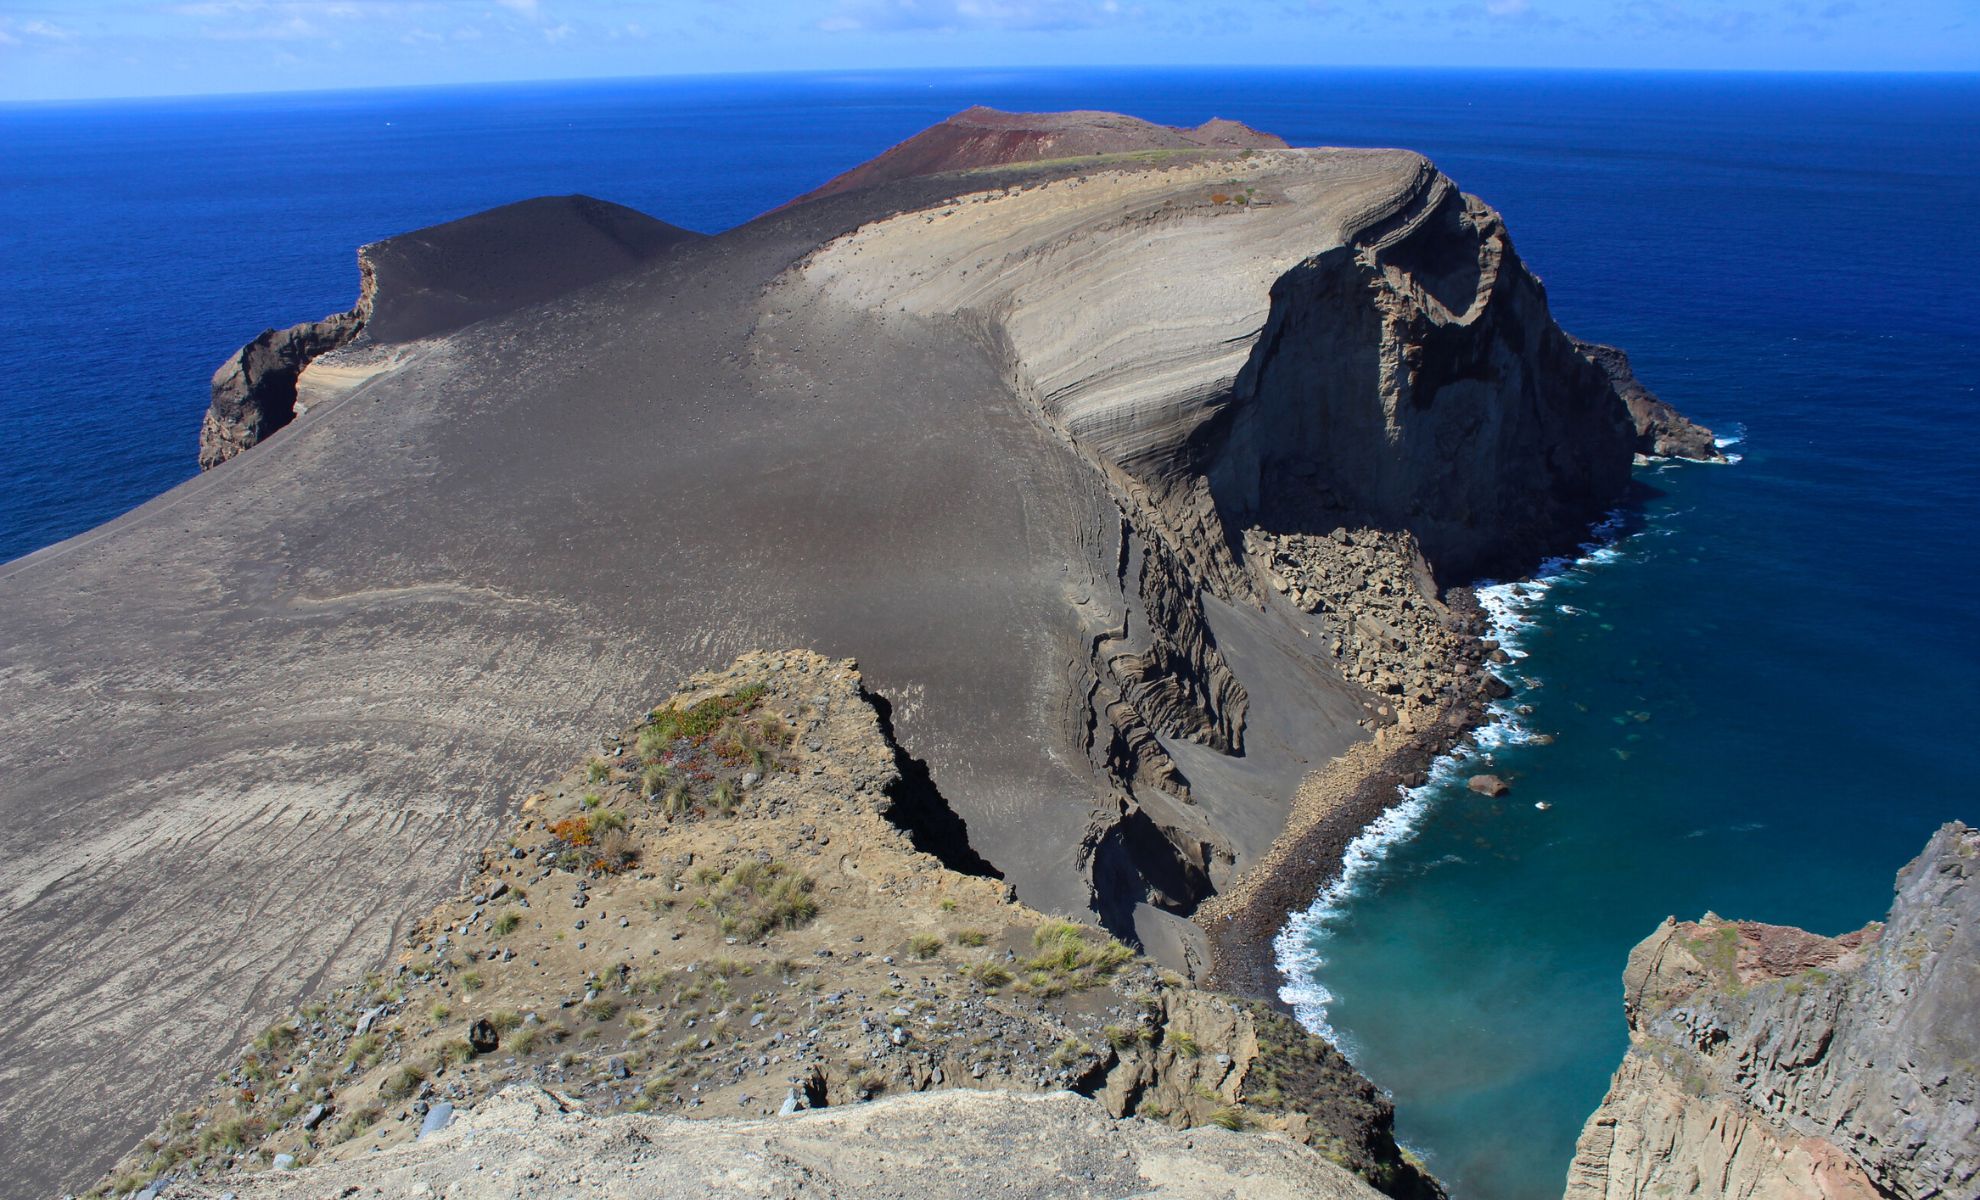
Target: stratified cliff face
column 1767, row 1063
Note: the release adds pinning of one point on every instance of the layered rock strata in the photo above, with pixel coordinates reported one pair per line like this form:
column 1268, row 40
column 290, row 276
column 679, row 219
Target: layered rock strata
column 735, row 910
column 1767, row 1063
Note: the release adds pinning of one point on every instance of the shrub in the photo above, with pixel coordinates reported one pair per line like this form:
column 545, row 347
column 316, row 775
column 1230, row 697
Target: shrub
column 597, row 771
column 276, row 1038
column 228, row 1133
column 756, row 897
column 615, row 852
column 402, row 1082
column 1068, row 958
column 1068, row 1052
column 653, row 780
column 991, row 975
column 575, row 831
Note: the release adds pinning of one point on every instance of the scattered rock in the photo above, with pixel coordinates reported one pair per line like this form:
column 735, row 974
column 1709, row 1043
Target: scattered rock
column 483, row 1036
column 1488, row 785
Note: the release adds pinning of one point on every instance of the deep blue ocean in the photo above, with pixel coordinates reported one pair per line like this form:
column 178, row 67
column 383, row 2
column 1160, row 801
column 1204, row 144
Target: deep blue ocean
column 1758, row 696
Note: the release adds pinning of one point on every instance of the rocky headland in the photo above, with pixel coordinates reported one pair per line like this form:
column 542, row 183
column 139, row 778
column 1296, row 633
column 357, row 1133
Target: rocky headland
column 1767, row 1063
column 738, row 909
column 1142, row 471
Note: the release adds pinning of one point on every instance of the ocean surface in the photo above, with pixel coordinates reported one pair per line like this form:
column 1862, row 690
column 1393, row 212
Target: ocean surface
column 1758, row 687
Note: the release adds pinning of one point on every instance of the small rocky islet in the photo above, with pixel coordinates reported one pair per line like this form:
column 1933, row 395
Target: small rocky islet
column 1201, row 440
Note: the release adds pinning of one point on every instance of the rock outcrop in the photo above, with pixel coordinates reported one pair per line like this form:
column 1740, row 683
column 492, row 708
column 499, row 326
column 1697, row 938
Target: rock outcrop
column 1766, row 1063
column 967, row 1145
column 737, row 909
column 427, row 283
column 1661, row 431
column 254, row 392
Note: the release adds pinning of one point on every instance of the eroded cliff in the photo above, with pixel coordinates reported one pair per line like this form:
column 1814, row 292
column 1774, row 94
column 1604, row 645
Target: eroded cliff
column 1767, row 1063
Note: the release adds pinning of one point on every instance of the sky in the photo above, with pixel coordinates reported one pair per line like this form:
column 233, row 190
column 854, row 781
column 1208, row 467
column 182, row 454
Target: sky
column 68, row 49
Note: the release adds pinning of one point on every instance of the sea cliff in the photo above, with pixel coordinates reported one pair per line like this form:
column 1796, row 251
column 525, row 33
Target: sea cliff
column 1767, row 1063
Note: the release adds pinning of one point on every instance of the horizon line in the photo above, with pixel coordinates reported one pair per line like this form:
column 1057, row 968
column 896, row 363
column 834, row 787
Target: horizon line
column 827, row 72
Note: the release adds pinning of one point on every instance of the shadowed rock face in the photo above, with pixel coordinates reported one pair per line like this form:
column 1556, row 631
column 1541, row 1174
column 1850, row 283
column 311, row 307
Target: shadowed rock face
column 1661, row 431
column 994, row 435
column 1769, row 1063
column 254, row 392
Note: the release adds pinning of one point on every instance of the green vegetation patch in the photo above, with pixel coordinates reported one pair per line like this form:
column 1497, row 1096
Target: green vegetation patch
column 755, row 897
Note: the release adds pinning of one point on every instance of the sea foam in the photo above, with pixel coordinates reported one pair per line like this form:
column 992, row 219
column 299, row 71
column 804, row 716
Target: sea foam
column 1509, row 612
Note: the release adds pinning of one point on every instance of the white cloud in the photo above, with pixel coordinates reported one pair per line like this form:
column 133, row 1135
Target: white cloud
column 909, row 16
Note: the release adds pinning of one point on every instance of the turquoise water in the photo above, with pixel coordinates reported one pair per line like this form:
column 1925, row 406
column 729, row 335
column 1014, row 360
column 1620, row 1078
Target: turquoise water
column 1761, row 700
column 1762, row 695
column 1735, row 729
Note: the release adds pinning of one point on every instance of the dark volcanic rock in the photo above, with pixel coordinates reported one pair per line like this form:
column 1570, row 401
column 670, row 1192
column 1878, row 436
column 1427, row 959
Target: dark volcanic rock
column 1414, row 379
column 254, row 392
column 1661, row 431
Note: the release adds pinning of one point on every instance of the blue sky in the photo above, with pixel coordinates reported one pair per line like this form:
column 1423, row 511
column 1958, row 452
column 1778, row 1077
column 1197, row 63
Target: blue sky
column 84, row 48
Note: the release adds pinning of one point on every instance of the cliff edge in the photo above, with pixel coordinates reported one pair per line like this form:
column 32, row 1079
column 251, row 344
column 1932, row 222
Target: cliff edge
column 1767, row 1063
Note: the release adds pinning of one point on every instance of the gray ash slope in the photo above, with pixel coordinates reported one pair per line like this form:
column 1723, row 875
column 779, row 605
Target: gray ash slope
column 995, row 435
column 426, row 284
